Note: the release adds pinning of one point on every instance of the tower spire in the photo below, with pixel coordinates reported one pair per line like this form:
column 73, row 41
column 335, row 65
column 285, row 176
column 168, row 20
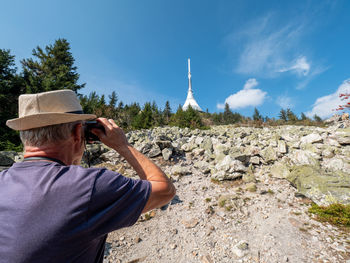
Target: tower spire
column 190, row 99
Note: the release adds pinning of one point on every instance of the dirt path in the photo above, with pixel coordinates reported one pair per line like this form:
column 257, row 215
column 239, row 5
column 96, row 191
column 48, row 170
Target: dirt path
column 223, row 222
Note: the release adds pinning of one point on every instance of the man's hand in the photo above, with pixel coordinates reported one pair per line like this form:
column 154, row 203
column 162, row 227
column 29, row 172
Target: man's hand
column 113, row 136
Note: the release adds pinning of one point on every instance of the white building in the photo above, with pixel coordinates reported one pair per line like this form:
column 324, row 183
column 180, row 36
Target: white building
column 190, row 99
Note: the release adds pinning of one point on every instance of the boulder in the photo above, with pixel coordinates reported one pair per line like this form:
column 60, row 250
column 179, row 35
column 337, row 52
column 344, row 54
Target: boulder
column 180, row 170
column 202, row 166
column 5, row 159
column 311, row 138
column 166, row 153
column 207, row 144
column 154, row 151
column 280, row 170
column 231, row 165
column 282, row 146
column 320, row 186
column 304, row 157
column 343, row 136
column 269, row 154
column 335, row 164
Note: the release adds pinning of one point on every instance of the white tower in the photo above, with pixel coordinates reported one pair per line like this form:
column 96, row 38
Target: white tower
column 190, row 99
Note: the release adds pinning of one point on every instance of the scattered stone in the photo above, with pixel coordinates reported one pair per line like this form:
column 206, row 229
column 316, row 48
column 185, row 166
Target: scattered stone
column 251, row 187
column 190, row 223
column 166, row 153
column 240, row 249
column 311, row 138
column 206, row 259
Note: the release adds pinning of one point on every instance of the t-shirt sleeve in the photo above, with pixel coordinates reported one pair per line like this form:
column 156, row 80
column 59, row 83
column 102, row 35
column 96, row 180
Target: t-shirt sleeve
column 116, row 202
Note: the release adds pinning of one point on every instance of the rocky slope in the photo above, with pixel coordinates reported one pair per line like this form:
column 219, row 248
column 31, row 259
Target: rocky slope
column 241, row 195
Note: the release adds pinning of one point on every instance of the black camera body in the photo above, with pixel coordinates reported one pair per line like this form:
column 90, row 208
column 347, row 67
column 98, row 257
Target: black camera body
column 89, row 136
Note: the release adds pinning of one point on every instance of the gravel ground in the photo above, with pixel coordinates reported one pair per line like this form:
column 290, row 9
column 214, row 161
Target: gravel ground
column 225, row 222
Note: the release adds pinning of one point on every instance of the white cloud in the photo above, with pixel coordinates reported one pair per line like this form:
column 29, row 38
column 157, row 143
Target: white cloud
column 250, row 83
column 268, row 49
column 325, row 106
column 246, row 97
column 285, row 102
column 300, row 66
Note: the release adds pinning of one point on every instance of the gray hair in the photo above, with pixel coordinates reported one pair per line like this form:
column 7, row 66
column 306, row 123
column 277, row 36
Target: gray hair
column 48, row 134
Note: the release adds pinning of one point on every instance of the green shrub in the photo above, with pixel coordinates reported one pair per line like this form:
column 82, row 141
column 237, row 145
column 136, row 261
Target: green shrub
column 336, row 214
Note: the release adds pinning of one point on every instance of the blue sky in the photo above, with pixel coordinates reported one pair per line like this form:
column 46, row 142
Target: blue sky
column 264, row 54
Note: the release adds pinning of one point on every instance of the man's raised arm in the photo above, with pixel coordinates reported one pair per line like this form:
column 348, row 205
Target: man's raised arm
column 163, row 189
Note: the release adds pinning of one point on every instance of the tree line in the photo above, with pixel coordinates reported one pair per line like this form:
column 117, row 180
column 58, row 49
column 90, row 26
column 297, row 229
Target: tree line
column 52, row 68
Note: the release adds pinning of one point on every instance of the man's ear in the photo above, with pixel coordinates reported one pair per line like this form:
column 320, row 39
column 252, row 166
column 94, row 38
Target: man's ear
column 78, row 132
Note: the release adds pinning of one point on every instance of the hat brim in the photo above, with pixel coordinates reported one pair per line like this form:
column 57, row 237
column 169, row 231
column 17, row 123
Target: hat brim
column 46, row 119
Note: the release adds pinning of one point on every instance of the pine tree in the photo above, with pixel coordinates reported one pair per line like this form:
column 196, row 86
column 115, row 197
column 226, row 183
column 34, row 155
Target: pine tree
column 167, row 112
column 10, row 88
column 291, row 116
column 256, row 115
column 52, row 69
column 283, row 115
column 303, row 116
column 113, row 98
column 317, row 118
column 227, row 116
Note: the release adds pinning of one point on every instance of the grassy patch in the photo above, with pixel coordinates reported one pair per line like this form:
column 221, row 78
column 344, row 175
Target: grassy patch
column 336, row 214
column 222, row 203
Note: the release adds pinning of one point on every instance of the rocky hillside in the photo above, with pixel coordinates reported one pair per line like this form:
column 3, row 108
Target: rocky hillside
column 314, row 160
column 242, row 195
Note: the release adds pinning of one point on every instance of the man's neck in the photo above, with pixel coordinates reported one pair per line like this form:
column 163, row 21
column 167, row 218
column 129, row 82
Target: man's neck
column 59, row 152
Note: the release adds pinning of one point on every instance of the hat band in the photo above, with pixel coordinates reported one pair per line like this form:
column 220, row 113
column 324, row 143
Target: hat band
column 76, row 112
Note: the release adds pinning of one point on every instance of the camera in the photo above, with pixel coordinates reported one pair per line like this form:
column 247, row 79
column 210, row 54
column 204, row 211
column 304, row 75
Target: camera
column 89, row 136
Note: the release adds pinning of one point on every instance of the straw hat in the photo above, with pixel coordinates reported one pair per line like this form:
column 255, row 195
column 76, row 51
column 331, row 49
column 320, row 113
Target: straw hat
column 47, row 108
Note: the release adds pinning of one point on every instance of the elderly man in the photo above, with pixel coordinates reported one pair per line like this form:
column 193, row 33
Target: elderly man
column 52, row 209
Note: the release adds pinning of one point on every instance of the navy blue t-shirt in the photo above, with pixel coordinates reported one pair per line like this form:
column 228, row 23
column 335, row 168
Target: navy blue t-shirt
column 55, row 213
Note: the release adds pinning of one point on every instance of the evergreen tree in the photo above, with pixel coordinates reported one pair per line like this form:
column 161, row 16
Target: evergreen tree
column 228, row 115
column 303, row 116
column 52, row 69
column 192, row 118
column 283, row 115
column 167, row 112
column 144, row 120
column 256, row 115
column 113, row 98
column 317, row 118
column 291, row 116
column 10, row 89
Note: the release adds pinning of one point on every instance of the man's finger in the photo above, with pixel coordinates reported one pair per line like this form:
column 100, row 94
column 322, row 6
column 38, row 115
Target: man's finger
column 104, row 122
column 98, row 132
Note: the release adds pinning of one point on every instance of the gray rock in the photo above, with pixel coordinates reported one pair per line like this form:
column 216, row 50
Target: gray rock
column 240, row 249
column 343, row 136
column 320, row 186
column 155, row 151
column 280, row 170
column 312, row 138
column 207, row 144
column 229, row 164
column 269, row 154
column 336, row 164
column 300, row 157
column 5, row 159
column 282, row 146
column 180, row 170
column 202, row 166
column 166, row 153
column 254, row 160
